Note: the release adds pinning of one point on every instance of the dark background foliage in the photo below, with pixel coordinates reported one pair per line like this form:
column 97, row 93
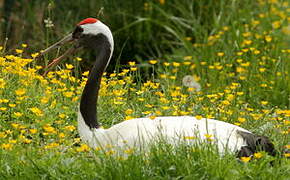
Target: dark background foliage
column 142, row 28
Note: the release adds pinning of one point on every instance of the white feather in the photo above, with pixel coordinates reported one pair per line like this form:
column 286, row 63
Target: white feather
column 142, row 131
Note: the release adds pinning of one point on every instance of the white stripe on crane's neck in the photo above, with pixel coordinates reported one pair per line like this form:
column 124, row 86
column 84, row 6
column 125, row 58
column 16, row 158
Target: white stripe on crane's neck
column 99, row 28
column 84, row 130
column 92, row 136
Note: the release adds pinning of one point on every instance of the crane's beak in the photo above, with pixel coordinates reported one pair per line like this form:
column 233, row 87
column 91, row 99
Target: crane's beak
column 67, row 39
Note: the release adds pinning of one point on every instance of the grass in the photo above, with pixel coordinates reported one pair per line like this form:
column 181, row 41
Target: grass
column 162, row 162
column 239, row 56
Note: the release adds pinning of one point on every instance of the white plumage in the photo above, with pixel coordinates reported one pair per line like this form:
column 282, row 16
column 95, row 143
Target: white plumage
column 141, row 132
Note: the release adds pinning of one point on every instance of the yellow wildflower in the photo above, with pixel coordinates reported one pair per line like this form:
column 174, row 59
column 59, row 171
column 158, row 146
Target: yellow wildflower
column 34, row 55
column 176, row 64
column 226, row 28
column 132, row 63
column 7, row 146
column 69, row 66
column 247, row 34
column 44, row 100
column 268, row 38
column 83, row 148
column 19, row 51
column 133, row 68
column 129, row 111
column 78, row 59
column 128, row 118
column 245, row 159
column 240, row 93
column 287, row 155
column 257, row 52
column 262, row 69
column 208, row 137
column 166, row 64
column 49, row 129
column 86, row 73
column 258, row 155
column 240, row 70
column 239, row 53
column 12, row 141
column 162, row 2
column 163, row 76
column 226, row 102
column 189, row 137
column 2, row 83
column 62, row 116
column 187, row 58
column 141, row 99
column 110, row 152
column 51, row 145
column 247, row 42
column 68, row 94
column 276, row 24
column 152, row 61
column 198, row 117
column 27, row 141
column 70, row 128
column 264, row 102
column 15, row 125
column 20, row 92
column 61, row 135
column 188, row 38
column 129, row 151
column 33, row 131
column 241, row 119
column 36, row 111
column 12, row 105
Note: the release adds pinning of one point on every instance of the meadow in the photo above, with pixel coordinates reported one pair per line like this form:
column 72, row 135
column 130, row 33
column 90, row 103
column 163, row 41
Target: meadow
column 227, row 60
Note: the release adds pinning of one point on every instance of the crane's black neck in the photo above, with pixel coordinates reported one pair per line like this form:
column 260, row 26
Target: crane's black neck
column 88, row 104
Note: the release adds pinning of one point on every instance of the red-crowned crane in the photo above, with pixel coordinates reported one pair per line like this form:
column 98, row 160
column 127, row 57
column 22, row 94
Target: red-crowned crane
column 92, row 35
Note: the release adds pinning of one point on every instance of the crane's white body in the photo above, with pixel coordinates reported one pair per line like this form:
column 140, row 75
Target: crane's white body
column 141, row 132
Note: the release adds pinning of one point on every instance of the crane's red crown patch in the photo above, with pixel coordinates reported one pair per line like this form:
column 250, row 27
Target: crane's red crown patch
column 88, row 21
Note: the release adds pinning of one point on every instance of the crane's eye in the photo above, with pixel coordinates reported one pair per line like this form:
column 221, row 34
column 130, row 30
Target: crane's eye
column 77, row 32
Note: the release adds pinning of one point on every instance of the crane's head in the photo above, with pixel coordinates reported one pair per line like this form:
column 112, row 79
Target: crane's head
column 87, row 34
column 90, row 28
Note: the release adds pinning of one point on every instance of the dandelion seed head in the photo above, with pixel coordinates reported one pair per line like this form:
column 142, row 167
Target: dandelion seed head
column 189, row 81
